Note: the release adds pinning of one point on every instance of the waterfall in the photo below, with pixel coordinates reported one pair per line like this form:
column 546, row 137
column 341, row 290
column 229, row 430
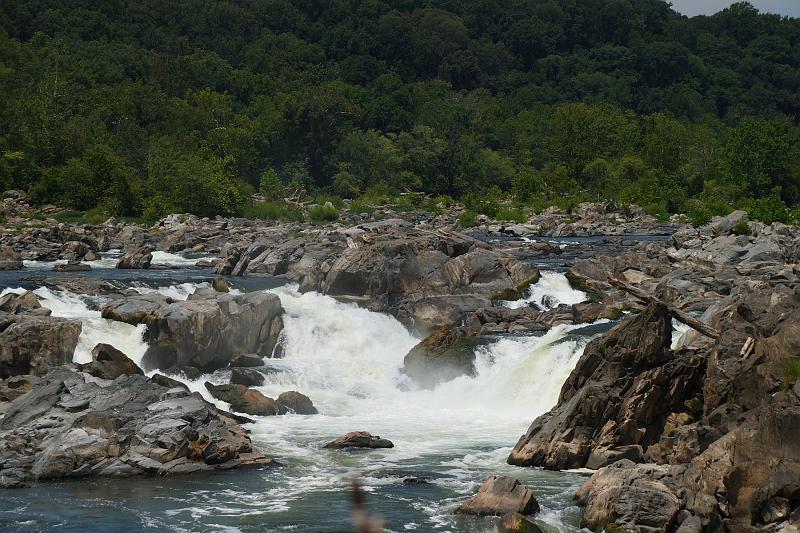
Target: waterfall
column 552, row 289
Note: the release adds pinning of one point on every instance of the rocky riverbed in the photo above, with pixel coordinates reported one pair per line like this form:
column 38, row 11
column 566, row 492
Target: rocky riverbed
column 682, row 430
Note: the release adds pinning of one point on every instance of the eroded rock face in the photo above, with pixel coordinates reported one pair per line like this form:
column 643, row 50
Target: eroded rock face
column 123, row 427
column 616, row 401
column 32, row 344
column 206, row 331
column 25, row 303
column 500, row 495
column 359, row 439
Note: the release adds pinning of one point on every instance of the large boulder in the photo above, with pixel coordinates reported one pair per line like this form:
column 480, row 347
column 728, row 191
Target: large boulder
column 297, row 403
column 442, row 356
column 206, row 331
column 247, row 377
column 630, row 498
column 9, row 259
column 500, row 495
column 31, row 344
column 244, row 400
column 110, row 363
column 124, row 427
column 139, row 257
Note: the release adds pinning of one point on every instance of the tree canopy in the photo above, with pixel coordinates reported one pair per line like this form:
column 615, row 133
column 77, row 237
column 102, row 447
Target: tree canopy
column 144, row 106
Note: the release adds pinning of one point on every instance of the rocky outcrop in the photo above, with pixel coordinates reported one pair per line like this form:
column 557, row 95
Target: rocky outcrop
column 25, row 303
column 9, row 259
column 517, row 523
column 206, row 331
column 33, row 344
column 123, row 427
column 359, row 439
column 140, row 257
column 247, row 377
column 617, row 400
column 500, row 495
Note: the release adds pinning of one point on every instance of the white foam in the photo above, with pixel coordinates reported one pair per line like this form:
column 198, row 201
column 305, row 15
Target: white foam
column 166, row 258
column 552, row 289
column 13, row 290
column 125, row 337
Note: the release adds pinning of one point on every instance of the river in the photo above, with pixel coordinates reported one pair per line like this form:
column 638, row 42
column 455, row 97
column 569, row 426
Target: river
column 348, row 361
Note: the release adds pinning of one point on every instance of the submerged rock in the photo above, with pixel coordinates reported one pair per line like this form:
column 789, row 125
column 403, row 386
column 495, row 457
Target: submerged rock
column 517, row 523
column 297, row 403
column 72, row 266
column 500, row 495
column 123, row 427
column 359, row 439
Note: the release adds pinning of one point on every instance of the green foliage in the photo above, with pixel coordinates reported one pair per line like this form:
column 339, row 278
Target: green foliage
column 320, row 214
column 278, row 210
column 468, row 219
column 741, row 228
column 270, row 185
column 103, row 110
column 770, row 208
column 791, row 372
column 507, row 214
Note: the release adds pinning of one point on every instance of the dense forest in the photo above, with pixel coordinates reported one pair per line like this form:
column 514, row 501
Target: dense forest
column 144, row 107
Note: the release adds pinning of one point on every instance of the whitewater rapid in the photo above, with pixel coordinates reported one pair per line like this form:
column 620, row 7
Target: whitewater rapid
column 348, row 361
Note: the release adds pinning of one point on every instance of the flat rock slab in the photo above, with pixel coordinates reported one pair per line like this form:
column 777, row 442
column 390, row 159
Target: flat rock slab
column 500, row 495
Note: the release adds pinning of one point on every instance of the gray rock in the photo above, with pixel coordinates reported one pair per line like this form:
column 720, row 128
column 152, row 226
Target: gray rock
column 73, row 427
column 32, row 344
column 206, row 331
column 247, row 361
column 136, row 258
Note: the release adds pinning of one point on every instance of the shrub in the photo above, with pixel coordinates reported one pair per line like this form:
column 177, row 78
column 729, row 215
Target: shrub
column 273, row 211
column 741, row 228
column 791, row 372
column 270, row 185
column 770, row 208
column 511, row 215
column 468, row 219
column 321, row 213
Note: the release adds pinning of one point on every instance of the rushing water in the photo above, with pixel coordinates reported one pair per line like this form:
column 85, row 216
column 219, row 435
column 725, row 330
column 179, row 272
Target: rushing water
column 348, row 361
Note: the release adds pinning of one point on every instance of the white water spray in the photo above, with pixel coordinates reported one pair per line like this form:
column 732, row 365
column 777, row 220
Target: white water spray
column 552, row 289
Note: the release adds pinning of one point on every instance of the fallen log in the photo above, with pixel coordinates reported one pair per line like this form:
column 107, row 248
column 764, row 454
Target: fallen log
column 679, row 315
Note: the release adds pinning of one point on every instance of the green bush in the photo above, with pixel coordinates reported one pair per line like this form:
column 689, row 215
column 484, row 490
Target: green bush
column 274, row 211
column 770, row 208
column 270, row 185
column 468, row 219
column 511, row 215
column 791, row 372
column 321, row 213
column 741, row 228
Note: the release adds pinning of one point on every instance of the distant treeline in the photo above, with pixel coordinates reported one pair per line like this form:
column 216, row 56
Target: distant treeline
column 143, row 107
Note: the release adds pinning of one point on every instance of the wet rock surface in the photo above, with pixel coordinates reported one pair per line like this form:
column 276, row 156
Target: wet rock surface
column 69, row 425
